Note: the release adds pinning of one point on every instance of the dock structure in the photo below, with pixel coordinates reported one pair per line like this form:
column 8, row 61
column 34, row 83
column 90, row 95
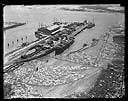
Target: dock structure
column 11, row 58
column 10, row 25
column 79, row 30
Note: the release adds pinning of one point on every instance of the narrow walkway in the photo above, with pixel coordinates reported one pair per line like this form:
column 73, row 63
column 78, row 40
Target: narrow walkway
column 102, row 48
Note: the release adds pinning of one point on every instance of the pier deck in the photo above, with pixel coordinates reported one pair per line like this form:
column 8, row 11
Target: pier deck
column 13, row 25
column 79, row 30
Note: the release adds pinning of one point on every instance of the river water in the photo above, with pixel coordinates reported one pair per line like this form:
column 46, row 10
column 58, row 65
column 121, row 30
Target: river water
column 46, row 16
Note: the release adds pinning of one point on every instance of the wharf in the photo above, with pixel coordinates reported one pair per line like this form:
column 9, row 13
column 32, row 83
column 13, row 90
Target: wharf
column 19, row 52
column 79, row 30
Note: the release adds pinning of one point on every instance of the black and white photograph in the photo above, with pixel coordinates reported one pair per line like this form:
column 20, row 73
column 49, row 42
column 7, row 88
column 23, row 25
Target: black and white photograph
column 69, row 51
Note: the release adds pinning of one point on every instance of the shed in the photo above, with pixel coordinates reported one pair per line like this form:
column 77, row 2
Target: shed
column 52, row 28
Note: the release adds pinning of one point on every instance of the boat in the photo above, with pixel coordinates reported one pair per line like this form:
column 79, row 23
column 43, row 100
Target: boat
column 64, row 45
column 35, row 51
column 90, row 25
column 36, row 54
column 53, row 44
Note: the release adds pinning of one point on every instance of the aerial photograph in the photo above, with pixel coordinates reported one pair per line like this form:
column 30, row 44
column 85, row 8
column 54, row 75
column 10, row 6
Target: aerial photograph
column 71, row 51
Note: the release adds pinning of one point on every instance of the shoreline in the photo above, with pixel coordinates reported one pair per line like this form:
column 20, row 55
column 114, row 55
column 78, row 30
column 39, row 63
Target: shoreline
column 93, row 9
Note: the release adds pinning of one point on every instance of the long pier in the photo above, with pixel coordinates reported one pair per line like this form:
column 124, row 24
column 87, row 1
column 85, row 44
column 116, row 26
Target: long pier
column 79, row 30
column 13, row 26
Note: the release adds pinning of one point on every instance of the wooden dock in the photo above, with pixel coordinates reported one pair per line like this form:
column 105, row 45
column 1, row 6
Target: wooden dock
column 79, row 30
column 13, row 26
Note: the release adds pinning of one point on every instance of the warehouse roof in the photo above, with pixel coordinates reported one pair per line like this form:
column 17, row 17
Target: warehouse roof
column 53, row 27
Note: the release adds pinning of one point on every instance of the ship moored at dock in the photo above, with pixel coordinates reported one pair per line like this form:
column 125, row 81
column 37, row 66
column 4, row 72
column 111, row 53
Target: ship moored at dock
column 54, row 38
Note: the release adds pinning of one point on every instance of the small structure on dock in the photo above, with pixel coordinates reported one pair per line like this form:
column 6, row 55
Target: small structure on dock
column 46, row 31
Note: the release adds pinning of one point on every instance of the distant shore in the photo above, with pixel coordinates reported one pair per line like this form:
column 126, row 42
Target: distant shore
column 93, row 9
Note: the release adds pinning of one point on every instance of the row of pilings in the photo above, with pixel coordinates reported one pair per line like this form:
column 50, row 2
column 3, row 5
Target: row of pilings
column 17, row 41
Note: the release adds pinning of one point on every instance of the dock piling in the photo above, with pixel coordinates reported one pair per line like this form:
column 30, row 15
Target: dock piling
column 8, row 44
